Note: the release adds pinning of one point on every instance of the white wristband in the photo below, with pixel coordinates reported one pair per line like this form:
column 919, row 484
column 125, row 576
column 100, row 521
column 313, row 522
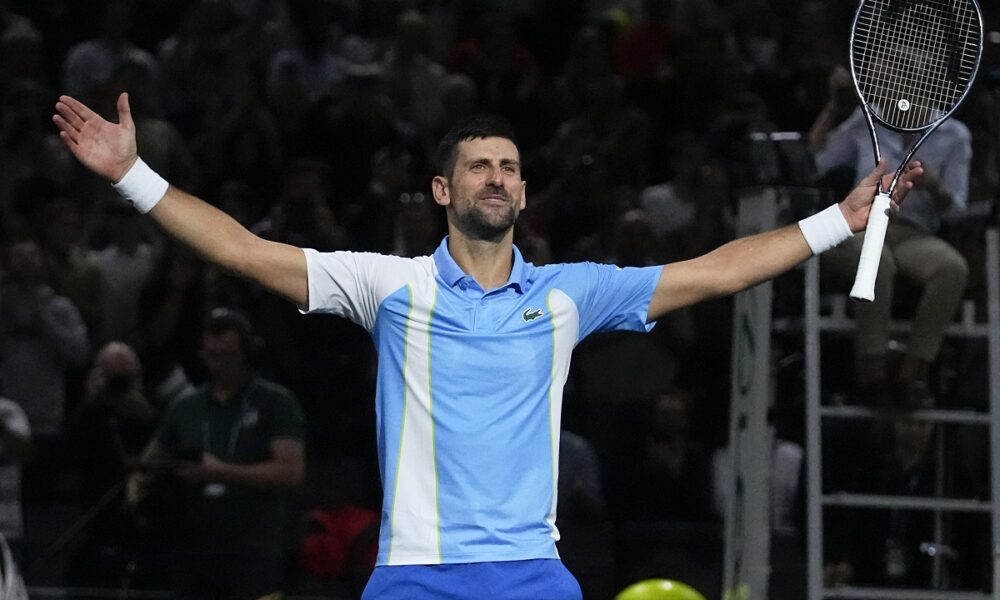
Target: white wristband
column 141, row 186
column 825, row 229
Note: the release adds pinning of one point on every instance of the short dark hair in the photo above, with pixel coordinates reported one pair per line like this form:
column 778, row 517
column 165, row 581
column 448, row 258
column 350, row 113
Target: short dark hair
column 222, row 320
column 475, row 127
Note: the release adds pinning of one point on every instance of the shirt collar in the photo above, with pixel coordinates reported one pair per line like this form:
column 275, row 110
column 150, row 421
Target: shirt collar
column 452, row 274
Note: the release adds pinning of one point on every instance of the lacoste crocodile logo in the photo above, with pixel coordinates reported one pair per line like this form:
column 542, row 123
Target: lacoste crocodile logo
column 531, row 314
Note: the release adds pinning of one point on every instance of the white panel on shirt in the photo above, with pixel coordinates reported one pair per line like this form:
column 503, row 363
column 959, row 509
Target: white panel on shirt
column 415, row 523
column 354, row 284
column 565, row 331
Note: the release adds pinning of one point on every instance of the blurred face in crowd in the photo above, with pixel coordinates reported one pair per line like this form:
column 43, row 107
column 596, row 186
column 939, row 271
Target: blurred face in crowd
column 120, row 366
column 224, row 356
column 25, row 263
column 485, row 192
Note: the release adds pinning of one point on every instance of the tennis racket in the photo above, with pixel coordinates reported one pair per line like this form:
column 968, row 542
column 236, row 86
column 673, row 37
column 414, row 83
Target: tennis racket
column 913, row 62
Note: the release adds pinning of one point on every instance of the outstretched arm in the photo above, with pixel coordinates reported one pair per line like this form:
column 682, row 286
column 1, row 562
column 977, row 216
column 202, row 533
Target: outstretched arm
column 109, row 150
column 745, row 262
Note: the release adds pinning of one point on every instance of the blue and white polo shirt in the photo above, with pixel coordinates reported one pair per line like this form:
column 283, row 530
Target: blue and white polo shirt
column 469, row 392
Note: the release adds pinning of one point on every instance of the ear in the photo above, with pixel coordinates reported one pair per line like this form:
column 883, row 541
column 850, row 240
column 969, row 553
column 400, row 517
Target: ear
column 524, row 195
column 439, row 187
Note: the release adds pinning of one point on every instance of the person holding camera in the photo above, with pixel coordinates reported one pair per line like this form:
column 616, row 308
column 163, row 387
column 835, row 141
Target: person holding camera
column 113, row 422
column 227, row 455
column 106, row 434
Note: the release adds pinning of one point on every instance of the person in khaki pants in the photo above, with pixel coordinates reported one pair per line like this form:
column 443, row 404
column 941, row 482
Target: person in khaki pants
column 913, row 250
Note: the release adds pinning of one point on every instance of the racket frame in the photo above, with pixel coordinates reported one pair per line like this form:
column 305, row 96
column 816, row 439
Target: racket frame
column 878, row 218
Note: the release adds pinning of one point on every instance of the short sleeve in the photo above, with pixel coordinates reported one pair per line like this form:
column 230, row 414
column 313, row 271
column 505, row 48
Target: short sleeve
column 289, row 420
column 353, row 284
column 615, row 298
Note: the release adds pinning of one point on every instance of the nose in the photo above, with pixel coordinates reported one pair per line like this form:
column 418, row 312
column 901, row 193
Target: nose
column 495, row 178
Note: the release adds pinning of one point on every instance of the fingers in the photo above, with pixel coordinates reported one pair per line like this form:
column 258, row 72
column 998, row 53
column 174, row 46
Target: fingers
column 124, row 112
column 912, row 172
column 893, row 210
column 67, row 132
column 873, row 178
column 907, row 179
column 69, row 116
column 75, row 110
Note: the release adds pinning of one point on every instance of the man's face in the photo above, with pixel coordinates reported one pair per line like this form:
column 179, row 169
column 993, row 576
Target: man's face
column 120, row 367
column 25, row 262
column 224, row 357
column 485, row 192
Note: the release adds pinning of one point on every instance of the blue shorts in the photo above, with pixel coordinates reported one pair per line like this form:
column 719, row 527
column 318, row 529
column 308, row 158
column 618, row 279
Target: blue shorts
column 541, row 579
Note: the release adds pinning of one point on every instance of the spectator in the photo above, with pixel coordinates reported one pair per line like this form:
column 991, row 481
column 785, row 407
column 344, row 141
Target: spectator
column 16, row 447
column 912, row 248
column 581, row 495
column 583, row 519
column 107, row 432
column 459, row 101
column 22, row 51
column 30, row 154
column 70, row 270
column 41, row 336
column 690, row 211
column 206, row 25
column 897, row 547
column 672, row 477
column 414, row 81
column 170, row 308
column 125, row 266
column 304, row 212
column 91, row 63
column 236, row 448
column 314, row 66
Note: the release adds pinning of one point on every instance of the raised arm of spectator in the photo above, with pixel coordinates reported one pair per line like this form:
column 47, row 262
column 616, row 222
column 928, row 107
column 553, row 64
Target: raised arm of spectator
column 109, row 150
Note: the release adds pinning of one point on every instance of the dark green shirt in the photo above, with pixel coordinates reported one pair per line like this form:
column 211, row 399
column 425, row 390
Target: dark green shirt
column 230, row 519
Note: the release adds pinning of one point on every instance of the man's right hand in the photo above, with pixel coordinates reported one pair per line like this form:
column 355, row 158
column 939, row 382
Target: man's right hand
column 105, row 148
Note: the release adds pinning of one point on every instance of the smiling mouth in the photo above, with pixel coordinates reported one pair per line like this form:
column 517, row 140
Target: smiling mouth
column 494, row 200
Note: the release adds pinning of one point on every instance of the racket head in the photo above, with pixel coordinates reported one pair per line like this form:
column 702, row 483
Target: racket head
column 914, row 61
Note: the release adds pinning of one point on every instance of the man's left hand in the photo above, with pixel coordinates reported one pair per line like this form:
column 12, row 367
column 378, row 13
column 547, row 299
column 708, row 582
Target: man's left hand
column 859, row 202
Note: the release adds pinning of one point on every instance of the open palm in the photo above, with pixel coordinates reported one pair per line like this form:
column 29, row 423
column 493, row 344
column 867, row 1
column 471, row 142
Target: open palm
column 105, row 148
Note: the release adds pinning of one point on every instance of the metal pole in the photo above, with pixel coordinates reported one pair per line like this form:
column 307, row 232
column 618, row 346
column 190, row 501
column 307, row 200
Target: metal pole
column 814, row 456
column 993, row 312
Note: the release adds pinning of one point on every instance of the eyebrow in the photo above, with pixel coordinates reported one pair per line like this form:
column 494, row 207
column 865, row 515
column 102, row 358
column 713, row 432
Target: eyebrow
column 503, row 161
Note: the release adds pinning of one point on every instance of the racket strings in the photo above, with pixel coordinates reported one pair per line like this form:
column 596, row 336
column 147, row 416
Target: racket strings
column 914, row 60
column 917, row 54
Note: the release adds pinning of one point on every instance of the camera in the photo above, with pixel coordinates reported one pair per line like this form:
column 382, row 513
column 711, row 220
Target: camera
column 117, row 384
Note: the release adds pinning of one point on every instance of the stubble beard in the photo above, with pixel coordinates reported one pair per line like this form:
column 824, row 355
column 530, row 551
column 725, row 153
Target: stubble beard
column 490, row 224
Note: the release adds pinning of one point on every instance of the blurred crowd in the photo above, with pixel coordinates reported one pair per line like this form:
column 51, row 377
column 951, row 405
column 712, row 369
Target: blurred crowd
column 313, row 122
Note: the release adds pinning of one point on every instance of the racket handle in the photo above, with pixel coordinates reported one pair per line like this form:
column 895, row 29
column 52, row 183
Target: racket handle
column 871, row 250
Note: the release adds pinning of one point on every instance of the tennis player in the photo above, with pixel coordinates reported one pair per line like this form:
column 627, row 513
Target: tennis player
column 474, row 346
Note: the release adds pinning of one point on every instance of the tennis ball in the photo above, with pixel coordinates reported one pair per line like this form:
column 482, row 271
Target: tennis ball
column 659, row 589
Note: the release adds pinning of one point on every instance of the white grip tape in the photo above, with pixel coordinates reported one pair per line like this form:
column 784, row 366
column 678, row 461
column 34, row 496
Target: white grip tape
column 871, row 250
column 141, row 186
column 825, row 229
